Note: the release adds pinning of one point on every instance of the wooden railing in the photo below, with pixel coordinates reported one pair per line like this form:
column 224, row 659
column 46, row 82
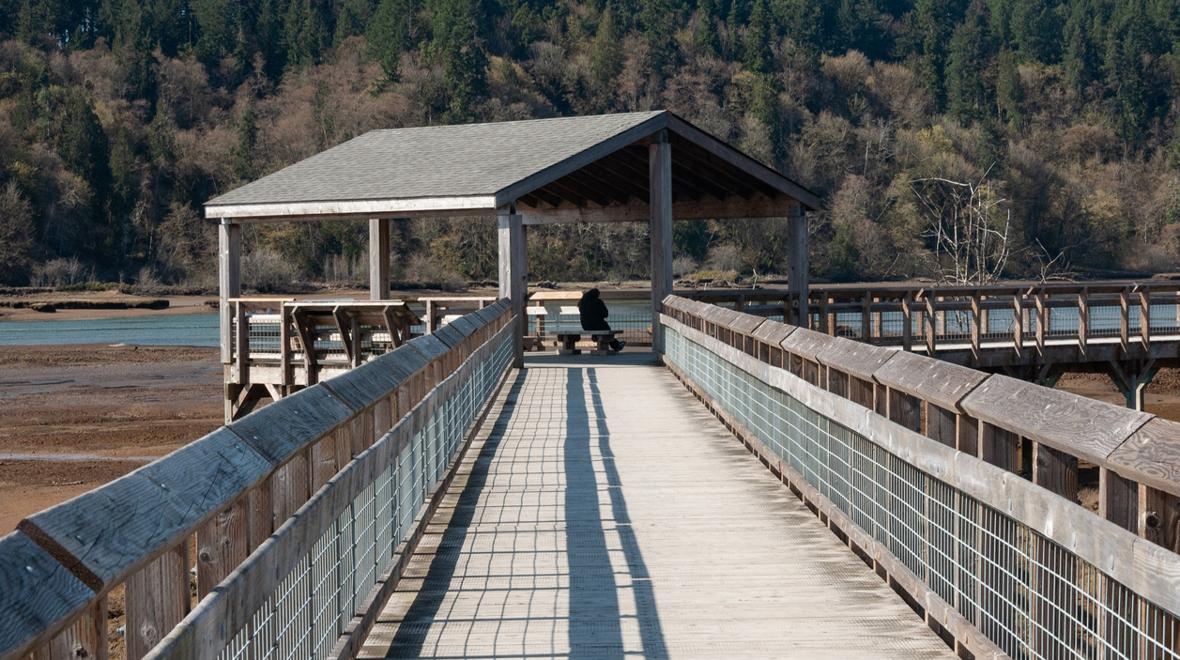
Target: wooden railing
column 213, row 503
column 1013, row 316
column 963, row 488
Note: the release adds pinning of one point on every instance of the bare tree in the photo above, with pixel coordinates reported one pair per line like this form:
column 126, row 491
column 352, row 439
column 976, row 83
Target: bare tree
column 970, row 224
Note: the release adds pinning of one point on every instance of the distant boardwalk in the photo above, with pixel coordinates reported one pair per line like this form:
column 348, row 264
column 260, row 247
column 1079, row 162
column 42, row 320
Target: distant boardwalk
column 609, row 514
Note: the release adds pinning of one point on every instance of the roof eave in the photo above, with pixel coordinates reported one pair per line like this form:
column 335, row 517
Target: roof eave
column 375, row 208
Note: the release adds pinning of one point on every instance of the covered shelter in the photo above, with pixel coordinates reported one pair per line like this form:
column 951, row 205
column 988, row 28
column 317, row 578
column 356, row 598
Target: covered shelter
column 650, row 167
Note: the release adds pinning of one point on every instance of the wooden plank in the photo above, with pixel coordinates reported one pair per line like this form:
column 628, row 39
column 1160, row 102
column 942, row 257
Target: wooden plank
column 999, row 447
column 1080, row 426
column 942, row 425
column 856, row 358
column 1118, row 500
column 222, row 543
column 157, row 599
column 905, row 409
column 85, row 637
column 39, row 595
column 280, row 430
column 1159, row 517
column 363, row 386
column 1151, row 456
column 1056, row 471
column 806, row 343
column 934, row 380
column 108, row 533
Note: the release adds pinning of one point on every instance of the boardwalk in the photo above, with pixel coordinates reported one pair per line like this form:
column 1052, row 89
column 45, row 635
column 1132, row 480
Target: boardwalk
column 607, row 513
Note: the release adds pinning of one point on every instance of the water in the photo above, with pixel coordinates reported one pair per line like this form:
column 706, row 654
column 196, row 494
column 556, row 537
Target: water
column 170, row 330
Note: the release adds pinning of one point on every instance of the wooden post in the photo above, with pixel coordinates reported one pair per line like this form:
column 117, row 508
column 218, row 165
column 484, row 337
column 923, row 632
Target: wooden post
column 1083, row 313
column 1042, row 320
column 1017, row 323
column 659, row 159
column 229, row 281
column 431, row 317
column 931, row 326
column 976, row 325
column 866, row 318
column 513, row 275
column 1145, row 318
column 1124, row 319
column 378, row 259
column 798, row 274
column 907, row 323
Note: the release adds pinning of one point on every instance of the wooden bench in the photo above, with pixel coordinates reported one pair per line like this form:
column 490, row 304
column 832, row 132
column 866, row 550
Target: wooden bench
column 568, row 338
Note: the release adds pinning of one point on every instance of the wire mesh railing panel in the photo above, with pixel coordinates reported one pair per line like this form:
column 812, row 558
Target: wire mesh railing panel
column 1030, row 596
column 311, row 606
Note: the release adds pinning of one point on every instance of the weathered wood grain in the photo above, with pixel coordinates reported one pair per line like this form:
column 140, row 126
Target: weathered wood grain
column 1080, row 426
column 108, row 533
column 280, row 431
column 222, row 543
column 36, row 592
column 363, row 386
column 1151, row 456
column 806, row 343
column 854, row 357
column 1118, row 500
column 940, row 382
column 157, row 598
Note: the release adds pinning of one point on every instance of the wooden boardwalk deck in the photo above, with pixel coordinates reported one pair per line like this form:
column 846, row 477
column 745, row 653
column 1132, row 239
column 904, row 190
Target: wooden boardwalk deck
column 608, row 514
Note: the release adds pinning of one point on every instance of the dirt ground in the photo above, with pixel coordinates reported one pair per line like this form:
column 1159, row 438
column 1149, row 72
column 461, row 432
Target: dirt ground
column 89, row 414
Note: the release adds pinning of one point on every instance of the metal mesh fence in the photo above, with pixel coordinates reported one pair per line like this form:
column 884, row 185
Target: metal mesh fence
column 1027, row 594
column 316, row 599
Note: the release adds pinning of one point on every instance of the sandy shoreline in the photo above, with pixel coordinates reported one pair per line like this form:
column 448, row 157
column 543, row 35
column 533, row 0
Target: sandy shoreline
column 118, row 404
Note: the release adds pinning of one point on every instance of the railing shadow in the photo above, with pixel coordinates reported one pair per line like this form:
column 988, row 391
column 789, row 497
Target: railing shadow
column 595, row 618
column 410, row 638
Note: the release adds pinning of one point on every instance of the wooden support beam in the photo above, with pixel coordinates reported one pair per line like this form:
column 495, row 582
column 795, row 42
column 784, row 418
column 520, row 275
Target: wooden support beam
column 761, row 207
column 660, row 209
column 799, row 266
column 1145, row 318
column 1159, row 517
column 1042, row 320
column 229, row 270
column 999, row 447
column 513, row 274
column 378, row 259
column 976, row 326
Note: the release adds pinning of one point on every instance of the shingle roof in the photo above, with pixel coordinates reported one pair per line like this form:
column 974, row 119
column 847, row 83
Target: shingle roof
column 434, row 161
column 474, row 167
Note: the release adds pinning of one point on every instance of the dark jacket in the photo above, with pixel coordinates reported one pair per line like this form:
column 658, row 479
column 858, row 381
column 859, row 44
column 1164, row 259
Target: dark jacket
column 593, row 311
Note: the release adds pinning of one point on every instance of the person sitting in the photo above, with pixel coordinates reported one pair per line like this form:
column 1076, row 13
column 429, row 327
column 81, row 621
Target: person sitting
column 593, row 312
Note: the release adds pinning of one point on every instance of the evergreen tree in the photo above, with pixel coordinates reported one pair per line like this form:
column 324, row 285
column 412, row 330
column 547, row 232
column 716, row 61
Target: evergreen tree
column 389, row 35
column 966, row 62
column 354, row 16
column 658, row 20
column 219, row 27
column 931, row 24
column 1126, row 43
column 305, row 30
column 1079, row 56
column 461, row 47
column 247, row 142
column 758, row 50
column 606, row 58
column 1036, row 30
column 705, row 38
column 1009, row 94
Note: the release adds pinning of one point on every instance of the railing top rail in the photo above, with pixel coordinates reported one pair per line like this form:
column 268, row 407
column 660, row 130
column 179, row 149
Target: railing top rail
column 101, row 537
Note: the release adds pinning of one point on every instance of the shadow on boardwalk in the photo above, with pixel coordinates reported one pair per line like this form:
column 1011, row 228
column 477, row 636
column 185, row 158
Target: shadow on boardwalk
column 595, row 614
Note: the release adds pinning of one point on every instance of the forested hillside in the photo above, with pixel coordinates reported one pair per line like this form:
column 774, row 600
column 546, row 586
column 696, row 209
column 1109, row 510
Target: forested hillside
column 119, row 118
